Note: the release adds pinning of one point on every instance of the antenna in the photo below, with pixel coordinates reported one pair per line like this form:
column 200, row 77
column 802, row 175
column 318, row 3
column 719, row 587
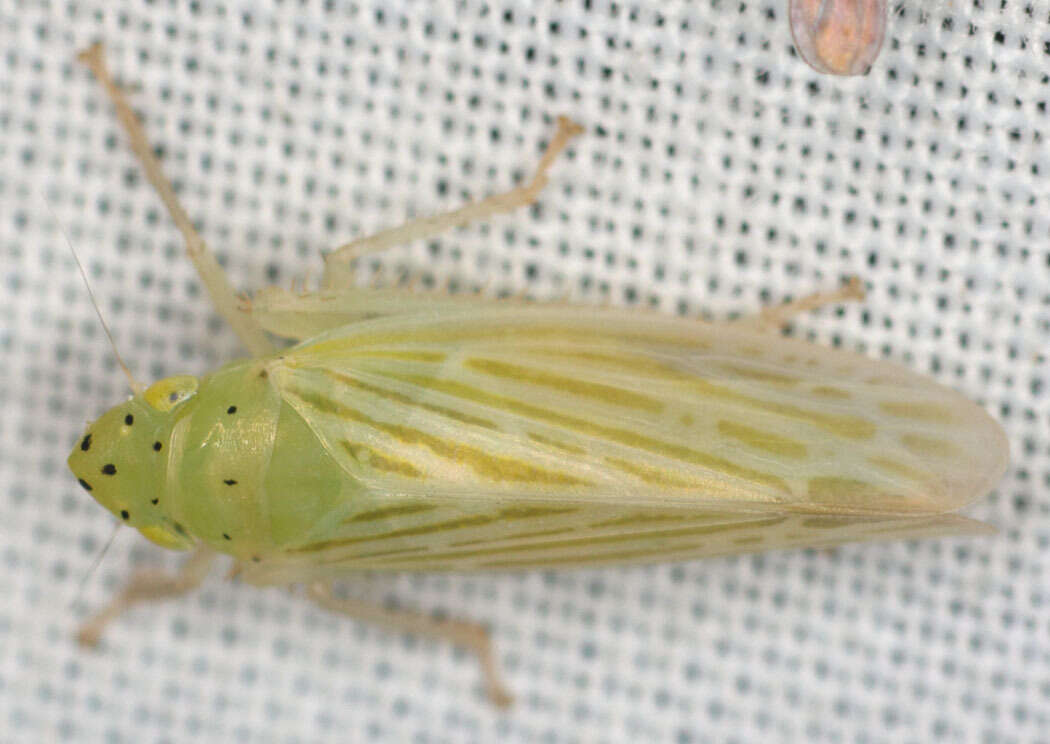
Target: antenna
column 136, row 387
column 95, row 563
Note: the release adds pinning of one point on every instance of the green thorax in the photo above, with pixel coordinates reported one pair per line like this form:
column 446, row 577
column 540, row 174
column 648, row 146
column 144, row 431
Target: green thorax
column 223, row 460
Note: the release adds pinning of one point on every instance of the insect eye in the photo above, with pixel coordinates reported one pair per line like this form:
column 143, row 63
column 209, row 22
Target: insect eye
column 165, row 394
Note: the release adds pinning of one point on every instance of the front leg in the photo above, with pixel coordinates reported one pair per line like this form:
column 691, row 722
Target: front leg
column 148, row 586
column 223, row 296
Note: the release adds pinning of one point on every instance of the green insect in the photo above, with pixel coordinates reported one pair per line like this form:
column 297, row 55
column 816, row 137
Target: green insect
column 407, row 433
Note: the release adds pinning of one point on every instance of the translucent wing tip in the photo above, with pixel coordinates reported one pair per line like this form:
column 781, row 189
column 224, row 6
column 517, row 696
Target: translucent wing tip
column 982, row 460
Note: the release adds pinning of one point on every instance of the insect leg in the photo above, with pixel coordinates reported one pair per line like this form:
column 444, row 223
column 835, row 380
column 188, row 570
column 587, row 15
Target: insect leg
column 460, row 632
column 149, row 586
column 223, row 296
column 338, row 262
column 776, row 318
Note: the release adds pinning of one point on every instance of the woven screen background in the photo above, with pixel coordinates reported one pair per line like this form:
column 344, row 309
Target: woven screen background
column 718, row 173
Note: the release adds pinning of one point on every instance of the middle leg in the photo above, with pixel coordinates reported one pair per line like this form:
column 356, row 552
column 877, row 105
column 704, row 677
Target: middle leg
column 337, row 264
column 460, row 632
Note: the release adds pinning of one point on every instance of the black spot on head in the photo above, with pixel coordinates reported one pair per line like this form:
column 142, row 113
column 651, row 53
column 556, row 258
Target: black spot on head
column 225, row 536
column 84, row 484
column 256, row 559
column 231, row 410
column 179, row 528
column 129, row 420
column 264, row 374
column 173, row 396
column 230, row 482
column 154, row 501
column 125, row 514
column 85, row 443
column 157, row 446
column 109, row 469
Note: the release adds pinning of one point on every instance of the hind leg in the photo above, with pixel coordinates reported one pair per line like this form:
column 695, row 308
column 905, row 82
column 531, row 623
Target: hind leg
column 777, row 317
column 460, row 632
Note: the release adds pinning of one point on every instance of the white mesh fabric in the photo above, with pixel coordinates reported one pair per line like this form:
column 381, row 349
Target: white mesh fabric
column 718, row 172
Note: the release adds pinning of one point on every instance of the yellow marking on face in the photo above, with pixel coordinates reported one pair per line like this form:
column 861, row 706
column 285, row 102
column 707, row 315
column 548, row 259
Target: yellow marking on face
column 585, row 388
column 163, row 537
column 765, row 441
column 368, row 456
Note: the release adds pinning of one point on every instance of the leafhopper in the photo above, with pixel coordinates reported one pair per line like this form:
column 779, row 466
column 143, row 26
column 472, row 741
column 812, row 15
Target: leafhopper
column 412, row 432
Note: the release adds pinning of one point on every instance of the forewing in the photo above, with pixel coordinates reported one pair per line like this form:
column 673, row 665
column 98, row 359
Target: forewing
column 464, row 418
column 302, row 316
column 416, row 535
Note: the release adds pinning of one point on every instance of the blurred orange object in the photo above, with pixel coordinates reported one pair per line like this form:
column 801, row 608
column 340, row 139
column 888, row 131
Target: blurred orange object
column 839, row 37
